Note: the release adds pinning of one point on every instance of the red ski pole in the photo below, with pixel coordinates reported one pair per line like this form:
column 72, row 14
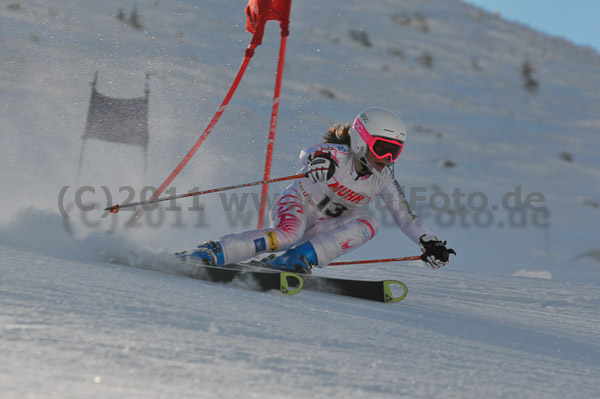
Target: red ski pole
column 117, row 207
column 358, row 262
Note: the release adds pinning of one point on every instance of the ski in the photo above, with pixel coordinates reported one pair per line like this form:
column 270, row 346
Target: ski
column 381, row 291
column 387, row 291
column 287, row 283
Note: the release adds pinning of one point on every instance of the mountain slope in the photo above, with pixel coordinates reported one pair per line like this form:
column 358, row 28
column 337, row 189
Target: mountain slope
column 73, row 324
column 452, row 71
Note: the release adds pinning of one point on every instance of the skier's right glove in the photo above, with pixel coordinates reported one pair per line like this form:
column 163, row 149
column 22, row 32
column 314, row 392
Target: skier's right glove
column 435, row 253
column 321, row 166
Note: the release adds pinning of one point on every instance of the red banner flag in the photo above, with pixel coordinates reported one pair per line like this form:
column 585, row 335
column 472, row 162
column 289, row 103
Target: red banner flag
column 258, row 12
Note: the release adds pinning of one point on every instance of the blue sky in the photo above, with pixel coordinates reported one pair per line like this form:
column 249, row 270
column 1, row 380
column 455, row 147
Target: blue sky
column 575, row 20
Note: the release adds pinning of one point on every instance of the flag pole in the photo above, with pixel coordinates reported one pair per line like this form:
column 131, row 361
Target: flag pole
column 273, row 126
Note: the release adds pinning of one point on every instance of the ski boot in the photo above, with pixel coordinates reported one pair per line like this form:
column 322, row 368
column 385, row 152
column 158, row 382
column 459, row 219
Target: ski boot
column 210, row 253
column 299, row 259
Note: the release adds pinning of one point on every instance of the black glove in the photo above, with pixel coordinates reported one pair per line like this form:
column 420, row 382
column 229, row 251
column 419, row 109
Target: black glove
column 321, row 166
column 435, row 253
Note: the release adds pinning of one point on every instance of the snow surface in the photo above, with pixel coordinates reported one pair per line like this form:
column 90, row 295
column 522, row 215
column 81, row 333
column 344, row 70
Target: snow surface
column 515, row 314
column 76, row 328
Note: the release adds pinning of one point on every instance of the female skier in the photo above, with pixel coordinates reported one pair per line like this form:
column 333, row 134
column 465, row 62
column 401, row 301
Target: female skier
column 317, row 219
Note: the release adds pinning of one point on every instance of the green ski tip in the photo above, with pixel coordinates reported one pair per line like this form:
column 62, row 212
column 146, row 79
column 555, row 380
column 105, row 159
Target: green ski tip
column 387, row 291
column 285, row 283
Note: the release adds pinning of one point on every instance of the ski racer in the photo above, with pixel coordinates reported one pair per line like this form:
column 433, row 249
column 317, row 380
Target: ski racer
column 318, row 219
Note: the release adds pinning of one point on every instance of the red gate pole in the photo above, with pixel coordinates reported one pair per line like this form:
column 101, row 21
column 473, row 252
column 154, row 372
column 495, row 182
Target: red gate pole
column 272, row 128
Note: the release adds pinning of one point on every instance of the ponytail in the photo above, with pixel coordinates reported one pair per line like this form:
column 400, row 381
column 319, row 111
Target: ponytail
column 338, row 135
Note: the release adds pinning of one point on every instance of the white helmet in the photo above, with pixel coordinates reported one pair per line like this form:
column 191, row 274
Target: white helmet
column 380, row 131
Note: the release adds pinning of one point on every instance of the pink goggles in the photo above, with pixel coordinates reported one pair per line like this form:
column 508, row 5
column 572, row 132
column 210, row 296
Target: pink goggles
column 381, row 147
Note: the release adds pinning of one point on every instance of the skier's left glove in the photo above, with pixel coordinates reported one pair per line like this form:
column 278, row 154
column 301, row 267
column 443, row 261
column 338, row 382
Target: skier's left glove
column 321, row 166
column 435, row 253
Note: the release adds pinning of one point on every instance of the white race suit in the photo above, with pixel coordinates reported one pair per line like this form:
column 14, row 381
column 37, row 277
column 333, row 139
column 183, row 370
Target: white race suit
column 326, row 213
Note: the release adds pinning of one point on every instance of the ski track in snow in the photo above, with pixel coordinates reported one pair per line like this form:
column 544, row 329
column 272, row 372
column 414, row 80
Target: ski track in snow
column 106, row 330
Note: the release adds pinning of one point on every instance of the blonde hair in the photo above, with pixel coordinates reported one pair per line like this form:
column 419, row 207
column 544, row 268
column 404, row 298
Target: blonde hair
column 337, row 134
